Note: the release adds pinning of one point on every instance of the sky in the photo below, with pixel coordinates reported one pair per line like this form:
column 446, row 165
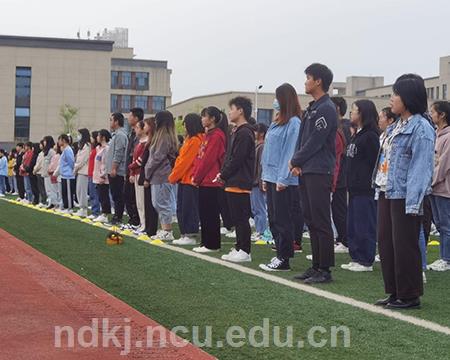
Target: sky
column 223, row 45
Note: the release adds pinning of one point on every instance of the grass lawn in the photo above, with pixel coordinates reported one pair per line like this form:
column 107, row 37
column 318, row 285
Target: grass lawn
column 177, row 290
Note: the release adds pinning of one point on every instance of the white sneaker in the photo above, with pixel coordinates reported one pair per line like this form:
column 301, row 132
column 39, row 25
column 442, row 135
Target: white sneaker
column 157, row 236
column 2, row 195
column 64, row 212
column 230, row 254
column 256, row 236
column 15, row 194
column 377, row 258
column 240, row 256
column 25, row 201
column 164, row 236
column 203, row 249
column 309, row 257
column 223, row 231
column 347, row 266
column 441, row 265
column 91, row 217
column 101, row 219
column 251, row 222
column 306, row 235
column 340, row 248
column 231, row 235
column 81, row 213
column 360, row 268
column 185, row 240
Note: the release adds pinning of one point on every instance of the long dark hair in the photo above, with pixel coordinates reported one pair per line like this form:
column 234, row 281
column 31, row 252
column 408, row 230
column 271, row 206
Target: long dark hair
column 442, row 107
column 85, row 138
column 50, row 143
column 369, row 114
column 94, row 135
column 289, row 105
column 150, row 121
column 220, row 119
column 193, row 123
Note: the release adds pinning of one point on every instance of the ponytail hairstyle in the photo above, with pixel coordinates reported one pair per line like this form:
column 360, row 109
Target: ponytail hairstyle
column 105, row 134
column 442, row 108
column 219, row 118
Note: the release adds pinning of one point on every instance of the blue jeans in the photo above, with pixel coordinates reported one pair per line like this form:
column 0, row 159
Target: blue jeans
column 28, row 190
column 423, row 248
column 362, row 229
column 2, row 184
column 259, row 209
column 441, row 216
column 162, row 201
column 93, row 198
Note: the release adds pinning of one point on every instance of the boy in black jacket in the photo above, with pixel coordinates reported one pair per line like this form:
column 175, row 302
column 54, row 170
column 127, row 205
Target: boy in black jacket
column 315, row 162
column 237, row 173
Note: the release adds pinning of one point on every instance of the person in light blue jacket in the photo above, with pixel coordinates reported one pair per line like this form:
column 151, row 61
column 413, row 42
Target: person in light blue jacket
column 66, row 165
column 3, row 172
column 281, row 187
column 402, row 176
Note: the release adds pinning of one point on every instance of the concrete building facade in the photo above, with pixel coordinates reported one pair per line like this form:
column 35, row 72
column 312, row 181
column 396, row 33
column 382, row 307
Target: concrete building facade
column 40, row 75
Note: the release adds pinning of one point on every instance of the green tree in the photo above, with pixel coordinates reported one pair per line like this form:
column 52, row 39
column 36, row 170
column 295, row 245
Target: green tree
column 68, row 114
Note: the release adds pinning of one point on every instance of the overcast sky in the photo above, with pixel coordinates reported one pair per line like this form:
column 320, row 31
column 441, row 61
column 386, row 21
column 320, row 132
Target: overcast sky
column 222, row 45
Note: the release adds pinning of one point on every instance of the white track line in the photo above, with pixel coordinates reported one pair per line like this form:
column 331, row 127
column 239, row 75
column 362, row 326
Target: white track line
column 426, row 324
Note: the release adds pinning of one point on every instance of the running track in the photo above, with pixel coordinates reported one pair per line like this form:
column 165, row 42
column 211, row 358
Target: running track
column 37, row 294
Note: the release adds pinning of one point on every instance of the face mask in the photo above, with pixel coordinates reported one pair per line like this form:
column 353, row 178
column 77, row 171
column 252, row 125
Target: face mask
column 276, row 105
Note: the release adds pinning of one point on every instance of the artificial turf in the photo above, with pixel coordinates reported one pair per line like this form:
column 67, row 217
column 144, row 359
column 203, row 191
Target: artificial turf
column 175, row 289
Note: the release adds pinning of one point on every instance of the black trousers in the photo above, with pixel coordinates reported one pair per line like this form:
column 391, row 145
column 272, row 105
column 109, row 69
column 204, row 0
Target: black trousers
column 151, row 216
column 224, row 209
column 398, row 244
column 339, row 210
column 34, row 189
column 297, row 214
column 68, row 187
column 41, row 187
column 315, row 192
column 116, row 184
column 130, row 203
column 20, row 186
column 281, row 219
column 103, row 196
column 241, row 212
column 209, row 216
column 187, row 209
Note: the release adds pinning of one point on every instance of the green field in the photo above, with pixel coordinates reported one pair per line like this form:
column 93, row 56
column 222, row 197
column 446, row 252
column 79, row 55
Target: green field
column 178, row 290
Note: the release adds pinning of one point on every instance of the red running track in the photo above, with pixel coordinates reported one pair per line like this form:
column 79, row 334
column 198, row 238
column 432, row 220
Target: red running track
column 37, row 294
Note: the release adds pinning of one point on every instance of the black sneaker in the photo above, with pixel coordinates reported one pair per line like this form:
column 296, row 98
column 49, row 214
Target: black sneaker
column 276, row 265
column 50, row 207
column 384, row 302
column 404, row 304
column 320, row 277
column 307, row 274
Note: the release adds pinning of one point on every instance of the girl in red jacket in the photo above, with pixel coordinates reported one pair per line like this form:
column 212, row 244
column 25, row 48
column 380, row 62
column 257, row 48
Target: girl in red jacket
column 206, row 167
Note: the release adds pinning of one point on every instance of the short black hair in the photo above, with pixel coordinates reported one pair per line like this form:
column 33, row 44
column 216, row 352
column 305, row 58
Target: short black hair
column 19, row 144
column 322, row 72
column 2, row 151
column 29, row 144
column 244, row 103
column 412, row 91
column 261, row 128
column 340, row 103
column 117, row 116
column 252, row 120
column 105, row 133
column 138, row 112
column 64, row 138
column 193, row 123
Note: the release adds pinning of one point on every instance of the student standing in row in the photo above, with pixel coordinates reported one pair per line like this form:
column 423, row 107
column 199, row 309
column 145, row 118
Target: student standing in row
column 237, row 174
column 11, row 176
column 162, row 152
column 207, row 165
column 3, row 172
column 19, row 177
column 440, row 199
column 66, row 165
column 25, row 171
column 187, row 199
column 38, row 171
column 100, row 175
column 81, row 170
column 93, row 193
column 280, row 185
column 362, row 154
column 314, row 163
column 55, row 179
column 409, row 153
column 116, row 165
column 49, row 152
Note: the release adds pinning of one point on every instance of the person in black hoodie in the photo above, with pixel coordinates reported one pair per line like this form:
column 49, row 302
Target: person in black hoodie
column 315, row 162
column 237, row 174
column 362, row 155
column 19, row 178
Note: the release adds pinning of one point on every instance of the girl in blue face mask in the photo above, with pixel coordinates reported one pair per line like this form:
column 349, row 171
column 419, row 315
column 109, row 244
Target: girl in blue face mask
column 280, row 186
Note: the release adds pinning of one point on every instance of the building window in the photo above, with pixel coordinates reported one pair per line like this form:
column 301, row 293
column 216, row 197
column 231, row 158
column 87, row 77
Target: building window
column 158, row 103
column 141, row 102
column 114, row 103
column 264, row 116
column 437, row 92
column 114, row 79
column 22, row 103
column 142, row 81
column 444, row 92
column 126, row 103
column 126, row 80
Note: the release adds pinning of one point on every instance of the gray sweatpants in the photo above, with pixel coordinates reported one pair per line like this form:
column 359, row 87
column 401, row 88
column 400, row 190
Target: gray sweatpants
column 82, row 191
